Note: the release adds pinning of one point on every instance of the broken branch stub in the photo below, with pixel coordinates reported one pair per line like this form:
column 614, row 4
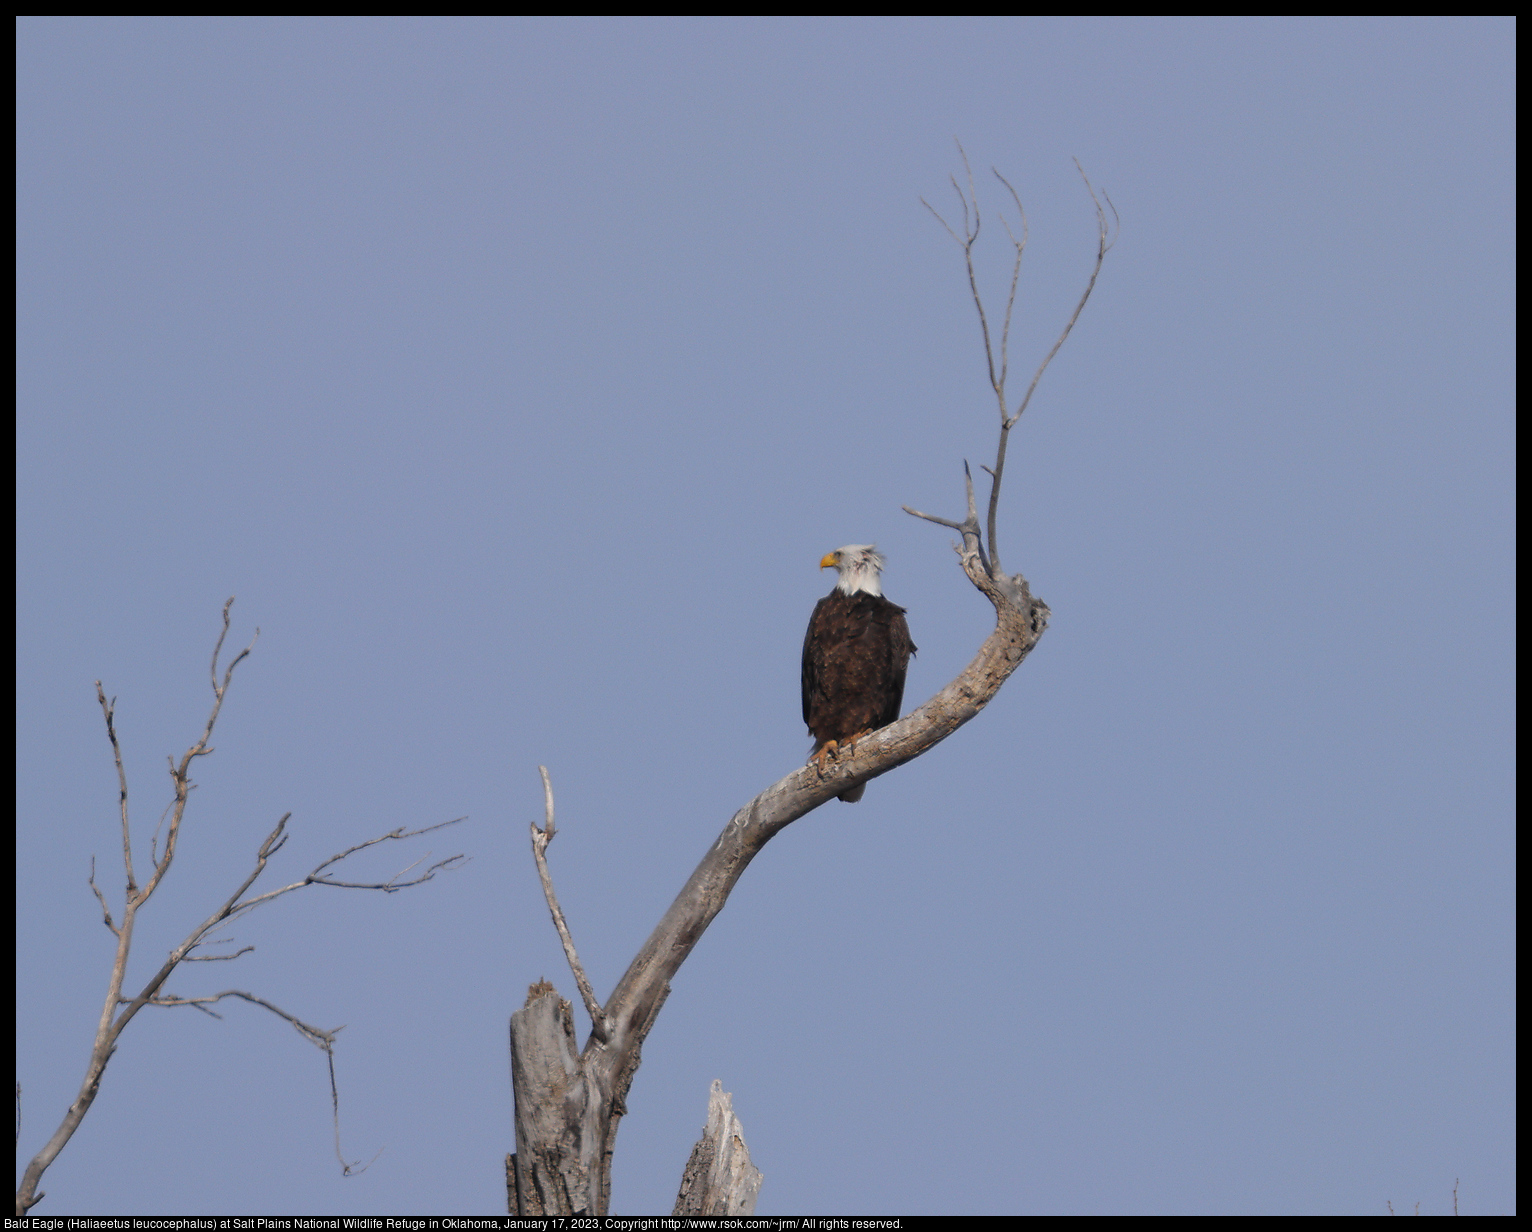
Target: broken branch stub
column 719, row 1177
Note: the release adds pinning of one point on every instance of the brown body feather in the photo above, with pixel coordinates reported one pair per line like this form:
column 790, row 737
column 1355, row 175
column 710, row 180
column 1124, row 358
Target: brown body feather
column 855, row 656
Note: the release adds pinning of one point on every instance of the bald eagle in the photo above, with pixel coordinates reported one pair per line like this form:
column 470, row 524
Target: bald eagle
column 854, row 657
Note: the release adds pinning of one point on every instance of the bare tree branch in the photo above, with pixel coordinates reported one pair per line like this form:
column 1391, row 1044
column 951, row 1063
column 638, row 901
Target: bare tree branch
column 118, row 1010
column 540, row 840
column 393, row 884
column 244, row 949
column 101, row 898
column 277, row 839
column 1104, row 242
column 154, row 839
column 236, row 905
column 180, row 776
column 1020, row 245
column 966, row 241
column 107, row 709
column 973, row 541
column 999, row 366
column 400, row 833
column 320, row 1038
column 315, row 1035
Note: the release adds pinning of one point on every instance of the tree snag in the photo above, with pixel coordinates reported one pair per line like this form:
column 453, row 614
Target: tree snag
column 569, row 1102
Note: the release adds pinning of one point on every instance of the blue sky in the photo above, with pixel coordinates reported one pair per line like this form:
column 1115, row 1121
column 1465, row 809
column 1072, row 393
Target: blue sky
column 515, row 375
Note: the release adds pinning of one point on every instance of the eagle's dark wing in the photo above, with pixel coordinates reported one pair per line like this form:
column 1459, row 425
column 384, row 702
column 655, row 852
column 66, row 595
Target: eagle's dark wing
column 900, row 650
column 814, row 661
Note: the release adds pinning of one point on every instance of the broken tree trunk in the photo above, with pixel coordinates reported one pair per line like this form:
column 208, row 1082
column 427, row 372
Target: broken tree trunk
column 719, row 1177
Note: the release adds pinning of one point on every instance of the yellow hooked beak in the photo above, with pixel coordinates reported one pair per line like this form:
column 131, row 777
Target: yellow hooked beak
column 831, row 560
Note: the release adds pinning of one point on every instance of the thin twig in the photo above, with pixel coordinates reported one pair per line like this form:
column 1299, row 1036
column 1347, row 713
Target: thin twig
column 180, row 776
column 347, row 1169
column 154, row 839
column 317, row 1036
column 241, row 908
column 108, row 708
column 218, row 649
column 1010, row 301
column 931, row 517
column 106, row 911
column 273, row 843
column 400, row 833
column 966, row 242
column 973, row 541
column 320, row 1038
column 1104, row 242
column 999, row 371
column 244, row 949
column 393, row 884
column 540, row 840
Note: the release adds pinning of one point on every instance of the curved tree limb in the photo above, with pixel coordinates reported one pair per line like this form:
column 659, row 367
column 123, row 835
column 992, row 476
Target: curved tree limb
column 1020, row 622
column 568, row 1105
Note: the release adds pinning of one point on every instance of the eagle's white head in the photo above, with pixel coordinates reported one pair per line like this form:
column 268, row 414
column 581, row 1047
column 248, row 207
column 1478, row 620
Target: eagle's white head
column 859, row 565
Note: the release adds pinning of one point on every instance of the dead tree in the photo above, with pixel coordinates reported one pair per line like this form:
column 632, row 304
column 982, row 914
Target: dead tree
column 569, row 1101
column 119, row 1010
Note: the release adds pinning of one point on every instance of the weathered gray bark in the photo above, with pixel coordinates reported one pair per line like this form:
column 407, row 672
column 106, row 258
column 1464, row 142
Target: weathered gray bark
column 568, row 1106
column 719, row 1177
column 550, row 1178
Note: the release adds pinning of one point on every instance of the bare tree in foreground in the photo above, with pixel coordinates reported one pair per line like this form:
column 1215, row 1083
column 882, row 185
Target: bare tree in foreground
column 119, row 1010
column 569, row 1101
